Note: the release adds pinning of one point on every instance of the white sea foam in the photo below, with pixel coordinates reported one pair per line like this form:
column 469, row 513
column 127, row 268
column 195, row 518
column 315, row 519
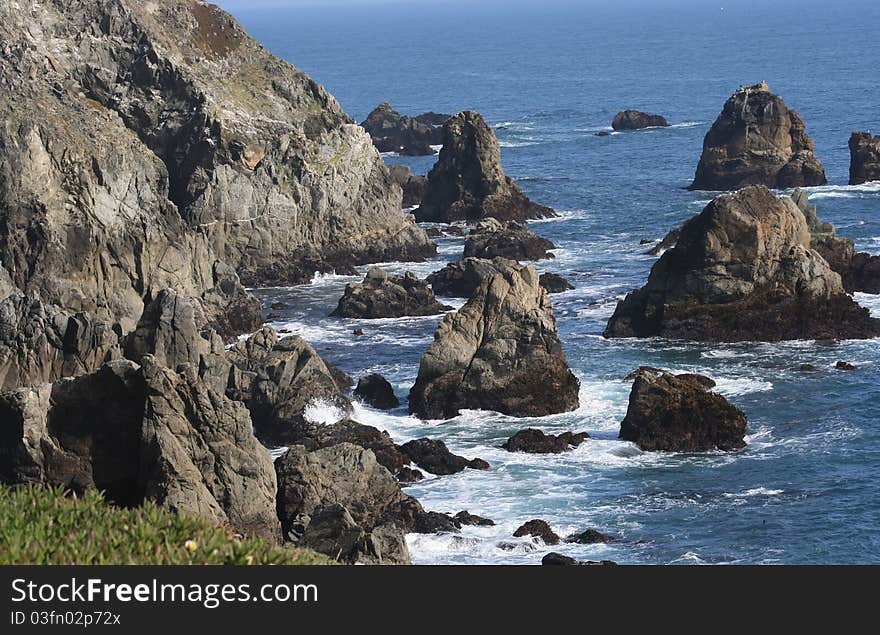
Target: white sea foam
column 323, row 412
column 844, row 191
column 737, row 386
column 518, row 144
column 757, row 491
column 869, row 301
column 687, row 124
column 437, row 148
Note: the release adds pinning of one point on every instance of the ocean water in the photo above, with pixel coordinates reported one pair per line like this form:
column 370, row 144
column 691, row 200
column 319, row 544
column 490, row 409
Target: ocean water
column 548, row 76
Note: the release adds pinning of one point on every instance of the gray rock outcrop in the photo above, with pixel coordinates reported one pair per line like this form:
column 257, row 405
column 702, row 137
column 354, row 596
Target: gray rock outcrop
column 512, row 240
column 468, row 183
column 385, row 295
column 499, row 352
column 864, row 164
column 637, row 120
column 757, row 140
column 743, row 270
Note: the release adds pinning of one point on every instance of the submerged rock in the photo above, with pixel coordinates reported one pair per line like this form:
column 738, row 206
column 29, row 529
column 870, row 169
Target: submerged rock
column 384, row 295
column 433, row 456
column 409, row 136
column 589, row 537
column 679, row 414
column 466, row 518
column 501, row 352
column 558, row 559
column 511, row 240
column 636, row 120
column 864, row 162
column 376, row 391
column 537, row 442
column 468, row 183
column 757, row 140
column 538, row 529
column 743, row 270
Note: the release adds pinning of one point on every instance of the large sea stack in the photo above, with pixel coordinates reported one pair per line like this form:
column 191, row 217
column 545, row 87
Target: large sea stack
column 499, row 352
column 757, row 140
column 743, row 269
column 468, row 183
column 864, row 164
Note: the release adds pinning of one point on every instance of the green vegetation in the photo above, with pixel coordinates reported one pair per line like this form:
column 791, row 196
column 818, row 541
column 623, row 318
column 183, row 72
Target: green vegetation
column 43, row 526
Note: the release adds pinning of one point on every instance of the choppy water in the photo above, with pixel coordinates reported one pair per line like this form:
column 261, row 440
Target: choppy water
column 805, row 488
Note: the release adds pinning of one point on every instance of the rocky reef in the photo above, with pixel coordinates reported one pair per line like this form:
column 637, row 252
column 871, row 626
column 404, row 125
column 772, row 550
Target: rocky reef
column 501, row 352
column 864, row 151
column 384, row 295
column 511, row 240
column 757, row 140
column 468, row 183
column 679, row 413
column 637, row 120
column 743, row 269
column 409, row 136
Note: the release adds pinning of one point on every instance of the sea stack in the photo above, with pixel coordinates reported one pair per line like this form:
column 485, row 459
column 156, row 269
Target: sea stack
column 757, row 140
column 864, row 163
column 409, row 136
column 468, row 182
column 637, row 120
column 499, row 352
column 680, row 414
column 743, row 269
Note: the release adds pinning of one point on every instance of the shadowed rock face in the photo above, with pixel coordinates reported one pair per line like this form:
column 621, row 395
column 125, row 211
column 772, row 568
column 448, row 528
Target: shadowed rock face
column 757, row 140
column 743, row 270
column 499, row 352
column 677, row 413
column 636, row 120
column 468, row 183
column 409, row 136
column 864, row 162
column 154, row 144
column 413, row 185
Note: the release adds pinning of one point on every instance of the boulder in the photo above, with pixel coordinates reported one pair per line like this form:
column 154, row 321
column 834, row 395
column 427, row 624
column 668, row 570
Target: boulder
column 743, row 270
column 678, row 414
column 841, row 365
column 407, row 475
column 864, row 163
column 466, row 518
column 636, row 120
column 413, row 185
column 409, row 136
column 332, row 531
column 343, row 380
column 538, row 529
column 468, row 183
column 510, row 240
column 589, row 537
column 376, row 391
column 384, row 295
column 554, row 283
column 433, row 456
column 535, row 441
column 757, row 140
column 501, row 352
column 461, row 279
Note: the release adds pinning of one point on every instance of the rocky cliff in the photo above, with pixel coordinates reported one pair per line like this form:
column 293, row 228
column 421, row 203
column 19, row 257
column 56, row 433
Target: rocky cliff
column 154, row 144
column 757, row 140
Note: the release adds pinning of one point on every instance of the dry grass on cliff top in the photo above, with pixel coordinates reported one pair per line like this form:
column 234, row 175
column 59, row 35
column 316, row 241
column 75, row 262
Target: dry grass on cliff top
column 43, row 526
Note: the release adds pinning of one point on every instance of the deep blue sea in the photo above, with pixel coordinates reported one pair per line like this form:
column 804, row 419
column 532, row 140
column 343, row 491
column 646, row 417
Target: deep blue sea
column 548, row 76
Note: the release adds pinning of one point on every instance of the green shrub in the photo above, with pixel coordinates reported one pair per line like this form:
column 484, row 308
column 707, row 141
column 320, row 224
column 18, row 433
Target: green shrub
column 41, row 525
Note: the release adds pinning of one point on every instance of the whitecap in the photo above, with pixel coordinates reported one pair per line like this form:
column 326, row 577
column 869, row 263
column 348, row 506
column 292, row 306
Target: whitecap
column 757, row 491
column 323, row 412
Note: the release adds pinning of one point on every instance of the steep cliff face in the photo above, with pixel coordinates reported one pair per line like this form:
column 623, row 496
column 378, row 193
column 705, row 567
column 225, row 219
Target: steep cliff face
column 154, row 144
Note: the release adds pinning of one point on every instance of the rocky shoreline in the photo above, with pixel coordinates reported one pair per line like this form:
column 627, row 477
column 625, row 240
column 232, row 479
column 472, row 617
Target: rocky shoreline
column 140, row 205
